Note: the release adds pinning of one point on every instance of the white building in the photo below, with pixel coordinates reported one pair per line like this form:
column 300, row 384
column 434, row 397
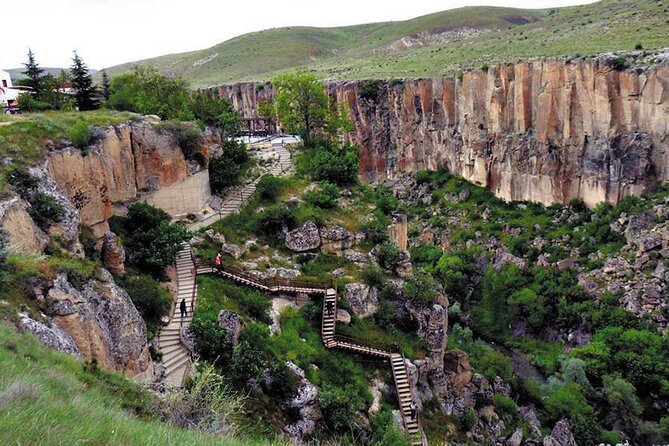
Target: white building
column 8, row 94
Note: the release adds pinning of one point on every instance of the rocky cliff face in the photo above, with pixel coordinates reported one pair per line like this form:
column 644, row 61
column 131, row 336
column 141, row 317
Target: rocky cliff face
column 131, row 159
column 546, row 131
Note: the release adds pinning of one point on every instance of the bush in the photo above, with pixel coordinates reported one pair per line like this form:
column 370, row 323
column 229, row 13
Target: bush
column 80, row 136
column 188, row 136
column 89, row 242
column 467, row 420
column 153, row 240
column 338, row 165
column 256, row 305
column 370, row 90
column 373, row 276
column 638, row 46
column 507, row 410
column 388, row 254
column 620, row 63
column 376, row 229
column 494, row 364
column 226, row 170
column 385, row 200
column 273, row 219
column 45, row 210
column 325, row 197
column 268, row 188
column 248, row 362
column 151, row 300
column 421, row 289
column 22, row 181
column 211, row 342
column 340, row 406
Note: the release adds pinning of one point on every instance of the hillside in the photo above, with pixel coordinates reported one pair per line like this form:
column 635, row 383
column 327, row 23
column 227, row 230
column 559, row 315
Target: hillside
column 434, row 45
column 17, row 73
column 50, row 398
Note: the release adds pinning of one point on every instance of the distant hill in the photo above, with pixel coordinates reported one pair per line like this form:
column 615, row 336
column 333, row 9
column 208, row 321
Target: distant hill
column 17, row 73
column 434, row 45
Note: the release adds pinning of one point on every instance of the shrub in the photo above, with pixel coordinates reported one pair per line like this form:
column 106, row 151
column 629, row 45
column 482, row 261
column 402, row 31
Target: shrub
column 248, row 362
column 373, row 276
column 153, row 240
column 638, row 46
column 151, row 300
column 338, row 165
column 385, row 200
column 211, row 342
column 22, row 181
column 80, row 136
column 89, row 242
column 369, row 90
column 421, row 289
column 388, row 254
column 620, row 63
column 494, row 364
column 273, row 219
column 507, row 410
column 325, row 197
column 376, row 229
column 188, row 136
column 256, row 305
column 45, row 210
column 340, row 406
column 226, row 170
column 268, row 188
column 467, row 420
column 485, row 67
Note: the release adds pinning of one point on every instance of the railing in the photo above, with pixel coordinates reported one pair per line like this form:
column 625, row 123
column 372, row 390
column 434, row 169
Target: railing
column 365, row 344
column 271, row 283
column 411, row 388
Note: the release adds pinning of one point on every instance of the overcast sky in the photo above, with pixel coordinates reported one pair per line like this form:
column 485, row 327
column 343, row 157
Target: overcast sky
column 110, row 32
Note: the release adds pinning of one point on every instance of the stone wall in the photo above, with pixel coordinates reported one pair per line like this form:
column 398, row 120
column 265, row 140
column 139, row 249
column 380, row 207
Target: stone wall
column 547, row 131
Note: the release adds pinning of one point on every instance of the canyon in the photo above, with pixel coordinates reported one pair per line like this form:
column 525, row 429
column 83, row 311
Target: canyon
column 546, row 131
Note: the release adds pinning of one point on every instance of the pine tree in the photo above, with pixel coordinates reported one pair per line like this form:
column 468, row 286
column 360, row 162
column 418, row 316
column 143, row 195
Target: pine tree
column 34, row 76
column 106, row 85
column 82, row 84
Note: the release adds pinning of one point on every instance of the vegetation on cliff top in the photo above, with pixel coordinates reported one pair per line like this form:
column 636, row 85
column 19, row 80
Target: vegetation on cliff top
column 458, row 39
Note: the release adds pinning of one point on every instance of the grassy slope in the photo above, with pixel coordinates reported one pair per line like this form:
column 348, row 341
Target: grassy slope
column 362, row 51
column 47, row 398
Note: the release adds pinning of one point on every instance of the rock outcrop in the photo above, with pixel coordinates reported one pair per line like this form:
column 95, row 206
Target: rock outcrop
column 336, row 240
column 305, row 402
column 547, row 131
column 102, row 322
column 363, row 299
column 303, row 239
column 232, row 324
column 130, row 159
column 24, row 235
column 113, row 254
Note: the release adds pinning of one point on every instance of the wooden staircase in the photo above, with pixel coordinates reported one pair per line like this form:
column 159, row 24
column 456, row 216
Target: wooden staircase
column 405, row 397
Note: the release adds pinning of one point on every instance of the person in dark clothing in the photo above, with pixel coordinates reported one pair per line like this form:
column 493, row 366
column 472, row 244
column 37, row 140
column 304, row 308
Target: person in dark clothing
column 184, row 310
column 413, row 410
column 329, row 307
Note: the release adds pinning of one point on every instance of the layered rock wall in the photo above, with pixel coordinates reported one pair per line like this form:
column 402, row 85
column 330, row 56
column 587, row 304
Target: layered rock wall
column 132, row 159
column 547, row 131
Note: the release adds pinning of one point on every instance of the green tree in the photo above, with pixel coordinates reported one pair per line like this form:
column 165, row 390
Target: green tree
column 340, row 406
column 82, row 84
column 216, row 112
column 421, row 289
column 226, row 170
column 302, row 104
column 452, row 271
column 106, row 85
column 151, row 300
column 153, row 240
column 624, row 407
column 211, row 342
column 34, row 76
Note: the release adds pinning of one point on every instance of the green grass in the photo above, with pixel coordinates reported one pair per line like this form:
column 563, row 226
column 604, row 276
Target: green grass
column 22, row 137
column 49, row 398
column 366, row 51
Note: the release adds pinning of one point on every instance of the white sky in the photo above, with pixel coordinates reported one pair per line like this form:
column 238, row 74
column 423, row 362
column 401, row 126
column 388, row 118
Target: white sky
column 110, row 32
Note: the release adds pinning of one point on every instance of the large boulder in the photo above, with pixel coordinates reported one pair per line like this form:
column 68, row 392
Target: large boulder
column 363, row 299
column 303, row 239
column 103, row 323
column 560, row 435
column 24, row 235
column 232, row 324
column 458, row 369
column 305, row 402
column 336, row 240
column 113, row 254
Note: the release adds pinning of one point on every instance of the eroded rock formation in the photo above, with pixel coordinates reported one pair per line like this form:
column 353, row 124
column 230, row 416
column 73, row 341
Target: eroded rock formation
column 546, row 131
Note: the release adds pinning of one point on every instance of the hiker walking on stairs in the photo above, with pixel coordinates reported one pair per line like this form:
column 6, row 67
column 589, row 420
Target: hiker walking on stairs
column 413, row 410
column 184, row 310
column 218, row 259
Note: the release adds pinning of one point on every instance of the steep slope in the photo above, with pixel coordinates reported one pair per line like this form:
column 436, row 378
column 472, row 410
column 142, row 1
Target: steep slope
column 434, row 45
column 50, row 398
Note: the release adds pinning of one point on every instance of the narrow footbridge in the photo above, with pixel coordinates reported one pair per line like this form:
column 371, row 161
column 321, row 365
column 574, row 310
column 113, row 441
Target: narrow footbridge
column 329, row 335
